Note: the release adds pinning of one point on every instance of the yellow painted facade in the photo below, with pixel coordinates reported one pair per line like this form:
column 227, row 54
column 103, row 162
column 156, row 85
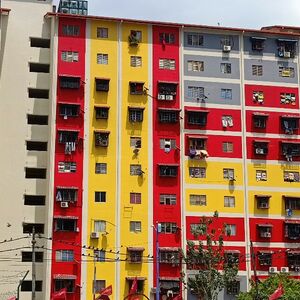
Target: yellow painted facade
column 103, row 182
column 133, row 184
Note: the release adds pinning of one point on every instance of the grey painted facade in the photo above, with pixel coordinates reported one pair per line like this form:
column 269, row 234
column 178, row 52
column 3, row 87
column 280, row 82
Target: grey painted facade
column 270, row 70
column 212, row 66
column 213, row 42
column 212, row 90
column 223, row 295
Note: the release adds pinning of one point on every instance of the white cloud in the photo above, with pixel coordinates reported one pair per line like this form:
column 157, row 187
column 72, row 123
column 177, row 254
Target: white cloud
column 234, row 13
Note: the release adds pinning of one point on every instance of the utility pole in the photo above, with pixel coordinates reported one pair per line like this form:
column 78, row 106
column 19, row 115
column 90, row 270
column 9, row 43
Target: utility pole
column 95, row 275
column 21, row 281
column 157, row 261
column 33, row 242
column 253, row 256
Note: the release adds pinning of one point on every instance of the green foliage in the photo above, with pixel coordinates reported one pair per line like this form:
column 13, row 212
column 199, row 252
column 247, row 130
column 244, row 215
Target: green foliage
column 267, row 287
column 207, row 257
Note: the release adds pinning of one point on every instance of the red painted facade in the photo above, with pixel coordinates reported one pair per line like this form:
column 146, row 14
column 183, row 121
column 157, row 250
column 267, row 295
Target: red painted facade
column 69, row 240
column 271, row 96
column 166, row 185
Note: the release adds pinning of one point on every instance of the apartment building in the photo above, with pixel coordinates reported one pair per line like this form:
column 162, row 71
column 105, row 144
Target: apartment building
column 126, row 132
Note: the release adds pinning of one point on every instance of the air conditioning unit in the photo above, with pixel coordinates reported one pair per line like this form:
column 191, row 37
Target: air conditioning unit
column 264, row 205
column 284, row 269
column 226, row 48
column 170, row 293
column 161, row 97
column 94, row 235
column 272, row 270
column 297, row 269
column 169, row 97
column 286, row 54
column 265, row 234
column 259, row 151
column 64, row 204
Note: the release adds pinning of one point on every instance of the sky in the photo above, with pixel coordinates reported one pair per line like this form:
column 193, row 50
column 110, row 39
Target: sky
column 227, row 13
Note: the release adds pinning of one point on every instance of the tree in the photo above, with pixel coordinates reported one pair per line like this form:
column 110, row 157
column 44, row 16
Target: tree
column 267, row 287
column 213, row 271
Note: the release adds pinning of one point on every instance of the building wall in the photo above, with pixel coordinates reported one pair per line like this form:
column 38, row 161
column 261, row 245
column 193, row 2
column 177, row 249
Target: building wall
column 16, row 30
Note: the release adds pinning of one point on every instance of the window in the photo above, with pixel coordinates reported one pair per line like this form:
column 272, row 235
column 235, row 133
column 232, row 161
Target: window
column 286, row 48
column 102, row 112
column 225, row 68
column 135, row 61
column 36, row 146
column 168, row 116
column 289, row 124
column 69, row 56
column 39, row 68
column 26, row 286
column 168, row 257
column 69, row 82
column 197, row 172
column 135, row 226
column 262, row 201
column 260, row 147
column 66, row 194
column 168, row 171
column 66, row 225
column 135, row 198
column 228, row 174
column 27, row 256
column 37, row 120
column 68, row 110
column 66, row 167
column 292, row 202
column 166, row 38
column 287, row 98
column 100, row 168
column 100, row 226
column 286, row 72
column 102, row 59
column 293, row 260
column 257, row 70
column 64, row 255
column 38, row 93
column 167, row 64
column 34, row 200
column 101, row 138
column 167, row 144
column 289, row 150
column 71, row 30
column 195, row 66
column 167, row 91
column 194, row 39
column 39, row 42
column 140, row 284
column 227, row 147
column 227, row 121
column 265, row 258
column 195, row 92
column 69, row 284
column 102, row 32
column 102, row 84
column 258, row 43
column 261, row 175
column 28, row 227
column 168, row 227
column 135, row 142
column 167, row 199
column 136, row 170
column 230, row 229
column 196, row 227
column 99, row 285
column 291, row 176
column 135, row 255
column 99, row 255
column 229, row 201
column 258, row 96
column 135, row 114
column 135, row 37
column 232, row 257
column 226, row 94
column 197, row 147
column 199, row 200
column 233, row 288
column 197, row 118
column 292, row 231
column 260, row 120
column 264, row 230
column 35, row 173
column 136, row 88
column 100, row 196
